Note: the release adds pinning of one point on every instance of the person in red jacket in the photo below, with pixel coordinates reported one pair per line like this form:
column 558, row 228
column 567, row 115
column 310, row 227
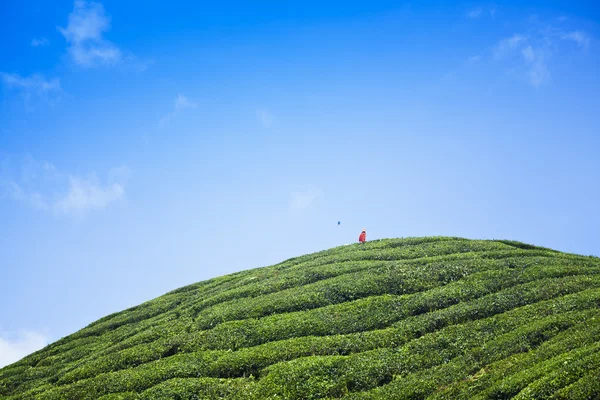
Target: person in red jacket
column 363, row 236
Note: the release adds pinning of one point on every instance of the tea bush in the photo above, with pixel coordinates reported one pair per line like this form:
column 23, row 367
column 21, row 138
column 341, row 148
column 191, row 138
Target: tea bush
column 414, row 318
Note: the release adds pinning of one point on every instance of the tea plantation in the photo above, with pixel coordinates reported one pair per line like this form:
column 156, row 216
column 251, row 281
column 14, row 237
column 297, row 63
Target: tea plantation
column 416, row 318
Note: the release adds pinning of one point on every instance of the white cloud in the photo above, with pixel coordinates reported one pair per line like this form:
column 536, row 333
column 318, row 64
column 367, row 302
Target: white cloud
column 475, row 13
column 265, row 117
column 533, row 62
column 582, row 40
column 539, row 74
column 181, row 103
column 33, row 84
column 480, row 11
column 506, row 46
column 40, row 42
column 139, row 65
column 42, row 186
column 303, row 196
column 87, row 47
column 529, row 55
column 537, row 70
column 85, row 195
column 474, row 59
column 14, row 349
column 95, row 54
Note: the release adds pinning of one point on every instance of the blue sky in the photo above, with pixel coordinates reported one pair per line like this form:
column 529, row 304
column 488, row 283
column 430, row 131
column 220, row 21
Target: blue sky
column 149, row 145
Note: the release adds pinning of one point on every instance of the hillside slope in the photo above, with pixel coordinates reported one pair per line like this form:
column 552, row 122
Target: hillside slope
column 436, row 318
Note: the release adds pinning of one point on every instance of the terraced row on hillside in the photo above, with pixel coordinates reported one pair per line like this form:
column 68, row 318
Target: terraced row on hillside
column 436, row 318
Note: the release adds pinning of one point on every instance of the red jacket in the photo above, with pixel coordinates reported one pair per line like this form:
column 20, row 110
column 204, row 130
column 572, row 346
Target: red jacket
column 363, row 237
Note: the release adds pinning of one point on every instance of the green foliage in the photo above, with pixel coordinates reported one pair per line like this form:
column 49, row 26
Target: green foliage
column 200, row 389
column 414, row 318
column 586, row 388
column 121, row 396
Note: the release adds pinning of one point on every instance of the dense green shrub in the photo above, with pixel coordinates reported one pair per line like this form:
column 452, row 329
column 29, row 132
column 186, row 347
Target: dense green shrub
column 586, row 388
column 440, row 318
column 200, row 389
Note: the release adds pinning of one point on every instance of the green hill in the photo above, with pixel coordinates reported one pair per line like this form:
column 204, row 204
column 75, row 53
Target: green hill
column 435, row 318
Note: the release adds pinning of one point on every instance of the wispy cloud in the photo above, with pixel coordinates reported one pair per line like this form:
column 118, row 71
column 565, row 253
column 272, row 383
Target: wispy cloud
column 88, row 194
column 481, row 11
column 181, row 103
column 40, row 42
column 533, row 59
column 475, row 13
column 42, row 186
column 140, row 65
column 508, row 45
column 265, row 117
column 581, row 38
column 15, row 348
column 474, row 59
column 87, row 48
column 537, row 70
column 303, row 196
column 35, row 84
column 529, row 54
